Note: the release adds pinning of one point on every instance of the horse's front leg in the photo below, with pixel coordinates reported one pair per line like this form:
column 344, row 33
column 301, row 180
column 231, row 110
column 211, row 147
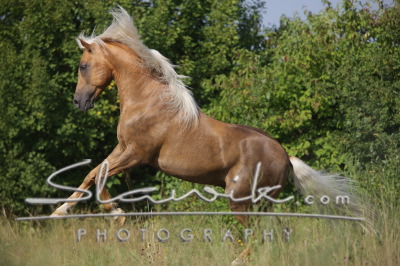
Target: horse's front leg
column 119, row 160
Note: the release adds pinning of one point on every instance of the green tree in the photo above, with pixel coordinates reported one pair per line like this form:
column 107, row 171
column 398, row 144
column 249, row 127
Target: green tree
column 326, row 87
column 200, row 36
column 41, row 131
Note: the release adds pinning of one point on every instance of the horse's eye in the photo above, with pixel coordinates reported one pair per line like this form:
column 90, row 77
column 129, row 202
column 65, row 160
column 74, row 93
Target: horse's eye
column 83, row 66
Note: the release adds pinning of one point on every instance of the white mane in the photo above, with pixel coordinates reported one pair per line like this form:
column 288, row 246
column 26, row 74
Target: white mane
column 123, row 31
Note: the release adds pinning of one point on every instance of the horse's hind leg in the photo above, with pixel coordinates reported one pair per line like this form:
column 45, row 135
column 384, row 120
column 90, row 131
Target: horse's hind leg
column 241, row 207
column 119, row 160
column 239, row 187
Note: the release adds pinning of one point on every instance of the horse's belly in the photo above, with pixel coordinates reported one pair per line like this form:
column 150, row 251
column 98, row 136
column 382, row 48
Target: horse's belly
column 190, row 167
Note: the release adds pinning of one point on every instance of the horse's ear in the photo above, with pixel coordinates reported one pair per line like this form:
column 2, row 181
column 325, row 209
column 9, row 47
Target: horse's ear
column 85, row 45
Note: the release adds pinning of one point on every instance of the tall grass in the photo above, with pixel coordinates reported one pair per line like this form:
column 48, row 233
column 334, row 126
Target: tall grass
column 312, row 241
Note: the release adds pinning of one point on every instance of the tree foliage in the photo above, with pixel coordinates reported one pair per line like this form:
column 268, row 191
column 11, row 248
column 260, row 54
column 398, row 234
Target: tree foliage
column 322, row 85
column 326, row 87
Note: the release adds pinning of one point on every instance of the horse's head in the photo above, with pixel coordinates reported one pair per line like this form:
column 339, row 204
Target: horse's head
column 94, row 74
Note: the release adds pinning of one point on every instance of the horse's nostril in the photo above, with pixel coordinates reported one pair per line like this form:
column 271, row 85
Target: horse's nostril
column 76, row 103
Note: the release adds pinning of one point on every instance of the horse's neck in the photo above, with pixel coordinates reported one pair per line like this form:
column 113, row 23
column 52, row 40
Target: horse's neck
column 135, row 83
column 137, row 89
column 140, row 92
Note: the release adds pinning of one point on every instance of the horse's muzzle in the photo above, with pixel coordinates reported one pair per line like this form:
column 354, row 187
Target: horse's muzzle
column 84, row 103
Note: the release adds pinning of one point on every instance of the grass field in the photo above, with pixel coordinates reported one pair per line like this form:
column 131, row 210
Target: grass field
column 312, row 241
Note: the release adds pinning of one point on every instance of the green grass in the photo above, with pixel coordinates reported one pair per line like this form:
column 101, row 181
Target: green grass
column 312, row 242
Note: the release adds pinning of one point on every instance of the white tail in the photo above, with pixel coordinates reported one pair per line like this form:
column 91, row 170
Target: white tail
column 318, row 184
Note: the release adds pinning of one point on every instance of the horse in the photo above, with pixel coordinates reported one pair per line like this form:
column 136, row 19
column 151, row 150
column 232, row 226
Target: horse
column 162, row 126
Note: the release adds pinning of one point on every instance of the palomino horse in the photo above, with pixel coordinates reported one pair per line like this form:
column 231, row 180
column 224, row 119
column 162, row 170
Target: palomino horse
column 161, row 125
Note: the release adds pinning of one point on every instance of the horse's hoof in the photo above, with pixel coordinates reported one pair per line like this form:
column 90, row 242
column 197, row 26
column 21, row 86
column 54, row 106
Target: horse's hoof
column 119, row 219
column 242, row 258
column 58, row 213
column 238, row 262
